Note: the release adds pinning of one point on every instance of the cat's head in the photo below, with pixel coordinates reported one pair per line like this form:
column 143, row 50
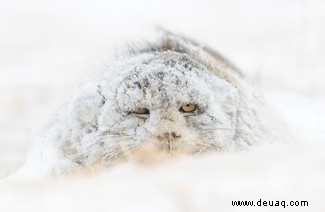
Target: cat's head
column 164, row 99
column 172, row 94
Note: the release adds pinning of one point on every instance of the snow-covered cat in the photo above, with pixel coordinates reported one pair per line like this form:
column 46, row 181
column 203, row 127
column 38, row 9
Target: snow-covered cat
column 172, row 94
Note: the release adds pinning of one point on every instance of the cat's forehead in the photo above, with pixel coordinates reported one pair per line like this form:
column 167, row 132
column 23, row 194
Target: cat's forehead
column 164, row 68
column 159, row 87
column 163, row 80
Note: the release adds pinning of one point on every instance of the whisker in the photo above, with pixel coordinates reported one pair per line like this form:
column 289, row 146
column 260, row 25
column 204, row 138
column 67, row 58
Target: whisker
column 201, row 150
column 99, row 138
column 114, row 134
column 219, row 128
column 128, row 153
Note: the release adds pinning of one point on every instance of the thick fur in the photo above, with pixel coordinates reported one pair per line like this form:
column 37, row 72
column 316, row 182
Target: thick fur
column 98, row 126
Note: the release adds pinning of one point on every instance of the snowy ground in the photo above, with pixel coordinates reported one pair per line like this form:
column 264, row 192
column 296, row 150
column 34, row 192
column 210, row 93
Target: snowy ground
column 46, row 47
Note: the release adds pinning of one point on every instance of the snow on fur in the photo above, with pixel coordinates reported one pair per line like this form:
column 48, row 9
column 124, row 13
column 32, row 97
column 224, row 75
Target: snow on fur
column 98, row 126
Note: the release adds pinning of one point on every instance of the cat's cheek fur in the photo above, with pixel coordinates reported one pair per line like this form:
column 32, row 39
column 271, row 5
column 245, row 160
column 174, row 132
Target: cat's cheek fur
column 85, row 108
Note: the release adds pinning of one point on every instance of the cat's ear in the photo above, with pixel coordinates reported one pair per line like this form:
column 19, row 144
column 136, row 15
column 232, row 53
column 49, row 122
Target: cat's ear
column 167, row 40
column 86, row 107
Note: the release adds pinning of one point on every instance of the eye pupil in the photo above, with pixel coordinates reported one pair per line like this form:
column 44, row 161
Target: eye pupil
column 188, row 108
column 141, row 111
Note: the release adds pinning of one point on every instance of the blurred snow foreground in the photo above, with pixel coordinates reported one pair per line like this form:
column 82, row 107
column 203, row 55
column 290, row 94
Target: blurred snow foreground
column 280, row 44
column 271, row 173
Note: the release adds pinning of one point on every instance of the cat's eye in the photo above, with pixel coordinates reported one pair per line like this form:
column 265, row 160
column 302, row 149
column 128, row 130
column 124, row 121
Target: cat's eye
column 141, row 111
column 188, row 108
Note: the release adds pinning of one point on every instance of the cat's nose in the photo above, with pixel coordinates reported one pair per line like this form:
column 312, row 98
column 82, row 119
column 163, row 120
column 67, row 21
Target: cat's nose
column 169, row 136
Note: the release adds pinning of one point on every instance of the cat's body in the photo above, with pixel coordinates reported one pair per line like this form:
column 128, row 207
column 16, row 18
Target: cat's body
column 138, row 99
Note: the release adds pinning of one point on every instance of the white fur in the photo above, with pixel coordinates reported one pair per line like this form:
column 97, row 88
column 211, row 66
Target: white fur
column 97, row 124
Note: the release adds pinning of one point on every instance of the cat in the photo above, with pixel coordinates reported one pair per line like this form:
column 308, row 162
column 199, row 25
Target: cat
column 172, row 94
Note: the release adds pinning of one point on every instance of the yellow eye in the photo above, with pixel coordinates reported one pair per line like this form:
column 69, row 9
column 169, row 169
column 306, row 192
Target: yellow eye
column 141, row 111
column 188, row 108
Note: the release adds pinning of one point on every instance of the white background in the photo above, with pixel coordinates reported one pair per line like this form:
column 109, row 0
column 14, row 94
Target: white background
column 46, row 47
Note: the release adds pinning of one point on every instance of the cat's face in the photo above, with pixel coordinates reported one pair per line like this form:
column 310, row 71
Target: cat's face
column 168, row 101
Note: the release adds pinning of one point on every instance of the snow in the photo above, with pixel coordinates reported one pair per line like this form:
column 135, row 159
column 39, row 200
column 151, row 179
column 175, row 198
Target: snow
column 47, row 47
